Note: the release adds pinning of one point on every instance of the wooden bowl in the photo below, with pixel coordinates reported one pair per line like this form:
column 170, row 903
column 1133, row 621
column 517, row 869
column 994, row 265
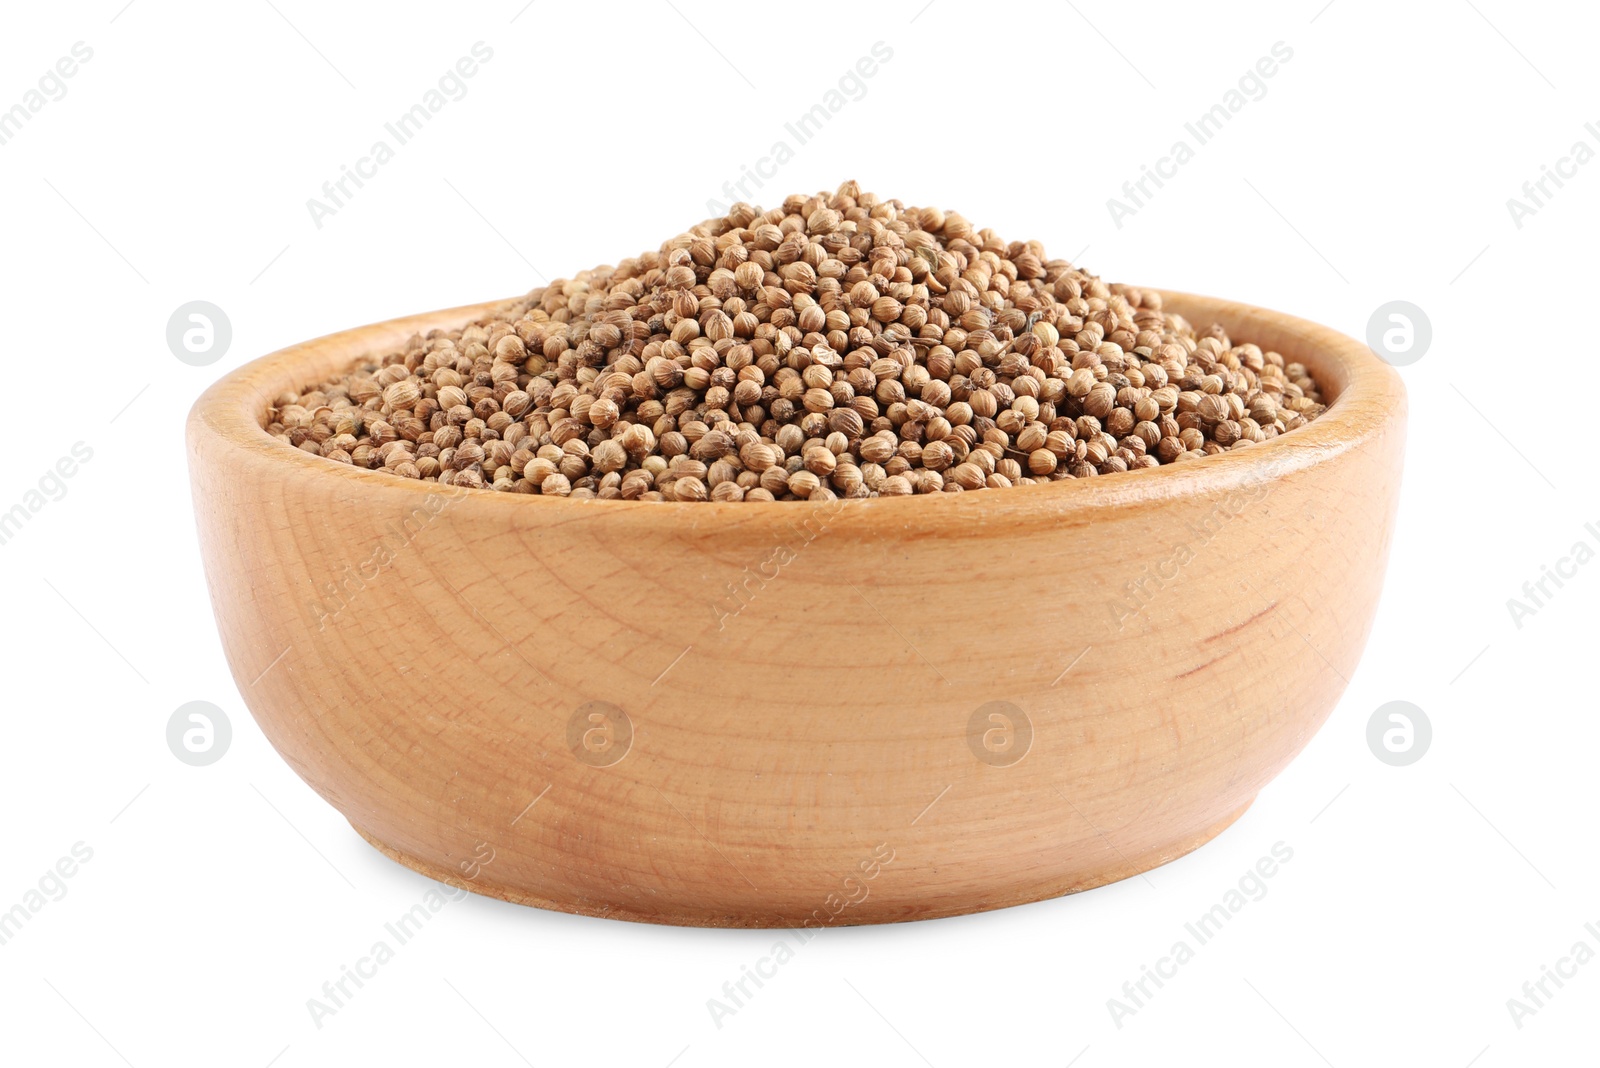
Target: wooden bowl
column 796, row 713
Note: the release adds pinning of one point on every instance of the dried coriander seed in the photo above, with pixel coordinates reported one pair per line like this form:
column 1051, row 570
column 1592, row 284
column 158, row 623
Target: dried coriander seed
column 836, row 346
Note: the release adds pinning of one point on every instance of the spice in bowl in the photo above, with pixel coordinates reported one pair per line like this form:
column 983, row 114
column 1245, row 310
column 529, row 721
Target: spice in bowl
column 836, row 346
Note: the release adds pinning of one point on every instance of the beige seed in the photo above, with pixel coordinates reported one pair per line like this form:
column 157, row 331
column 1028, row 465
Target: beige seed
column 1212, row 408
column 402, row 394
column 937, row 455
column 609, row 456
column 802, row 483
column 820, row 460
column 799, row 355
column 969, row 476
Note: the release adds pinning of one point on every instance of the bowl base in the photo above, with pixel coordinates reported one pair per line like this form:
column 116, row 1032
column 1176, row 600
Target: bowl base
column 1126, row 868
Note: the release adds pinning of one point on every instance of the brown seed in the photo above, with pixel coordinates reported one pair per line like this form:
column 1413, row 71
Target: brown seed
column 757, row 456
column 402, row 394
column 969, row 476
column 877, row 449
column 937, row 455
column 689, row 488
column 748, row 275
column 1101, row 400
column 1212, row 408
column 840, row 345
column 823, row 221
column 802, row 483
column 1031, row 437
column 820, row 461
column 818, row 400
column 609, row 456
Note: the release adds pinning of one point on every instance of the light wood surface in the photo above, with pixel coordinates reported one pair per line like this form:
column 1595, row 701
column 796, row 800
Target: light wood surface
column 778, row 756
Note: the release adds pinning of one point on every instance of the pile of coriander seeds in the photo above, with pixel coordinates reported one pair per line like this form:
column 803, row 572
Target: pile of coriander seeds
column 836, row 346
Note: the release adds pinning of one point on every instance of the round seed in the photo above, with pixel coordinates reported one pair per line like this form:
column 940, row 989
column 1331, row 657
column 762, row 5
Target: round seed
column 838, row 346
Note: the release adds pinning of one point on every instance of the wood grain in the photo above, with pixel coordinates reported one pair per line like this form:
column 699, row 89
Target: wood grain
column 1172, row 638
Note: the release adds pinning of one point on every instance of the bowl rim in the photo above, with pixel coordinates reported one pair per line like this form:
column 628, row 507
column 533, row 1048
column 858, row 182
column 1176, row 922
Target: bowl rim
column 1369, row 398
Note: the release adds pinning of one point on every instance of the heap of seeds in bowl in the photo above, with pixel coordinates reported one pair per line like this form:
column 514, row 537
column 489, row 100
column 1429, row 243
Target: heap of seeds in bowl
column 838, row 345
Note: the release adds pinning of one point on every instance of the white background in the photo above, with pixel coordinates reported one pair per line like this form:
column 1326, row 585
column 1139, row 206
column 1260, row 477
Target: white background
column 1377, row 167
